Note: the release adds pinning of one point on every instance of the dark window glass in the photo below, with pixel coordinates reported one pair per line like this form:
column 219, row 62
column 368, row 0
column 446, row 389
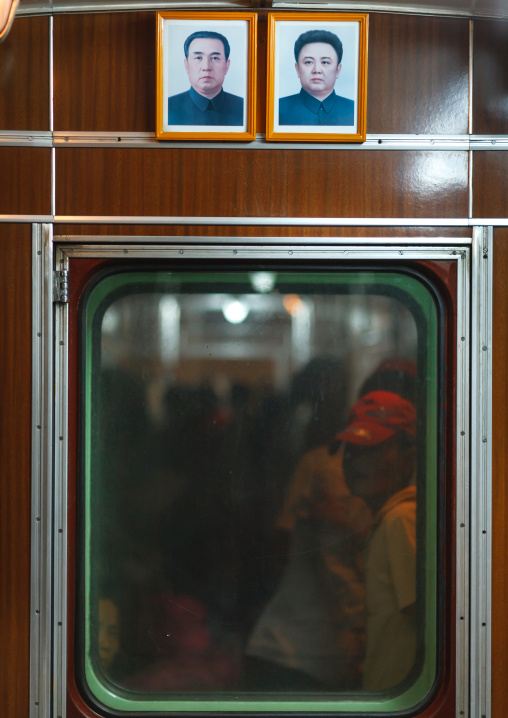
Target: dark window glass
column 259, row 483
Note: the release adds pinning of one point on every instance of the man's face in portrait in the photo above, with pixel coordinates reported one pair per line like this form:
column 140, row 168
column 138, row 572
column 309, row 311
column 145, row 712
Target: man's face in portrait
column 318, row 69
column 206, row 66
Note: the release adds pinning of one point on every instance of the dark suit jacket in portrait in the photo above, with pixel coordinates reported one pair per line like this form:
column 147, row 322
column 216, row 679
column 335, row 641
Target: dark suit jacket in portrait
column 191, row 108
column 303, row 109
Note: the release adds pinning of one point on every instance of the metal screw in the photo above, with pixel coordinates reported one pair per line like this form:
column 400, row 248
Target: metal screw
column 484, row 349
column 462, row 526
column 290, row 251
column 181, row 251
column 484, row 439
column 462, row 339
column 235, row 251
column 39, row 334
column 462, row 433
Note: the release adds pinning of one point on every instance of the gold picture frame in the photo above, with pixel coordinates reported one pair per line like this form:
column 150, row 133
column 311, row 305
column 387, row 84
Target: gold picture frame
column 302, row 103
column 206, row 76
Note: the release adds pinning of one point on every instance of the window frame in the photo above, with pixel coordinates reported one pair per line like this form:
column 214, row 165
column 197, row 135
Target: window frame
column 82, row 247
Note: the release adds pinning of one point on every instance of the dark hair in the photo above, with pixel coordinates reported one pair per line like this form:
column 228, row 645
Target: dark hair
column 207, row 34
column 319, row 36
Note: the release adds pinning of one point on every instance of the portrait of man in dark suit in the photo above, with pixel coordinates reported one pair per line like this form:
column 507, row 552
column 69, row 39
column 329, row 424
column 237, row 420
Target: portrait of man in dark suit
column 207, row 63
column 318, row 62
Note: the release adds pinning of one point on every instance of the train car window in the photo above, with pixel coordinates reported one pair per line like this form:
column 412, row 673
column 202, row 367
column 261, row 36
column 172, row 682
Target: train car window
column 259, row 489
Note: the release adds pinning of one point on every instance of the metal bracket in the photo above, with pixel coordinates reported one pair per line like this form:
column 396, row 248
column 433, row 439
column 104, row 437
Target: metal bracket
column 61, row 286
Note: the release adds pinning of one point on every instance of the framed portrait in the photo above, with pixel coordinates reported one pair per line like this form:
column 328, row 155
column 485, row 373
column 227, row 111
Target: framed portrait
column 317, row 77
column 206, row 75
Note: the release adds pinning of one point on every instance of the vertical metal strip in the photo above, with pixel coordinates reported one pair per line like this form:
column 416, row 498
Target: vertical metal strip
column 42, row 428
column 471, row 69
column 51, row 115
column 462, row 496
column 60, row 527
column 481, row 468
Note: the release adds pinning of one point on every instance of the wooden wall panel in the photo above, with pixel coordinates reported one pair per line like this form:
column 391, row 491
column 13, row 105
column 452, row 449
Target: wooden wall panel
column 256, row 231
column 490, row 77
column 261, row 183
column 15, row 448
column 418, row 75
column 24, row 76
column 25, row 180
column 105, row 72
column 500, row 477
column 490, row 170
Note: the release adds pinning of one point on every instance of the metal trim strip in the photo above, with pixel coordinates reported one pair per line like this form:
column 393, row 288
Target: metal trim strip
column 392, row 7
column 462, row 487
column 60, row 502
column 373, row 142
column 184, row 251
column 481, row 466
column 27, row 218
column 269, row 221
column 42, row 425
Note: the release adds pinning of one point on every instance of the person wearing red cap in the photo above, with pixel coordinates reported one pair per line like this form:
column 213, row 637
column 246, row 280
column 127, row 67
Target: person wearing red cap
column 379, row 466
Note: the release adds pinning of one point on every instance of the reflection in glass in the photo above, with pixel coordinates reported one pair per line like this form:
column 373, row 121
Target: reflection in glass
column 229, row 533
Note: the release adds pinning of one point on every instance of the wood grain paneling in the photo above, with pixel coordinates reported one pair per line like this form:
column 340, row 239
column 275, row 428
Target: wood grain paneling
column 261, row 183
column 15, row 443
column 490, row 170
column 25, row 180
column 105, row 72
column 24, row 76
column 500, row 477
column 490, row 77
column 418, row 75
column 255, row 231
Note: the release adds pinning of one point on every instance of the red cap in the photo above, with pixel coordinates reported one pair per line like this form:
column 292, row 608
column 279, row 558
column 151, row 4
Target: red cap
column 378, row 416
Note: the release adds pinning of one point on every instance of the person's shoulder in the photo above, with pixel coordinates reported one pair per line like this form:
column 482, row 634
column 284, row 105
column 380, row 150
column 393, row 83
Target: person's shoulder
column 290, row 100
column 181, row 97
column 345, row 101
column 233, row 100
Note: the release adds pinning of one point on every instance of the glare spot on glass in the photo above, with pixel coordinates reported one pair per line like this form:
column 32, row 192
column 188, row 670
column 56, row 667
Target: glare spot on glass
column 235, row 311
column 110, row 321
column 169, row 327
column 263, row 282
column 302, row 322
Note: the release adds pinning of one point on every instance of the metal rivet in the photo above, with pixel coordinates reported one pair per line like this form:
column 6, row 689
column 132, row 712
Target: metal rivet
column 181, row 251
column 126, row 251
column 61, row 438
column 346, row 252
column 454, row 251
column 38, row 426
column 484, row 532
column 462, row 339
column 290, row 251
column 59, row 623
column 61, row 344
column 39, row 252
column 462, row 433
column 119, row 139
column 485, row 250
column 400, row 252
column 235, row 251
column 38, row 518
column 66, row 139
column 462, row 526
column 37, row 611
column 39, row 334
column 484, row 624
column 484, row 439
column 379, row 142
column 484, row 349
column 462, row 618
column 36, row 703
column 493, row 142
column 60, row 531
